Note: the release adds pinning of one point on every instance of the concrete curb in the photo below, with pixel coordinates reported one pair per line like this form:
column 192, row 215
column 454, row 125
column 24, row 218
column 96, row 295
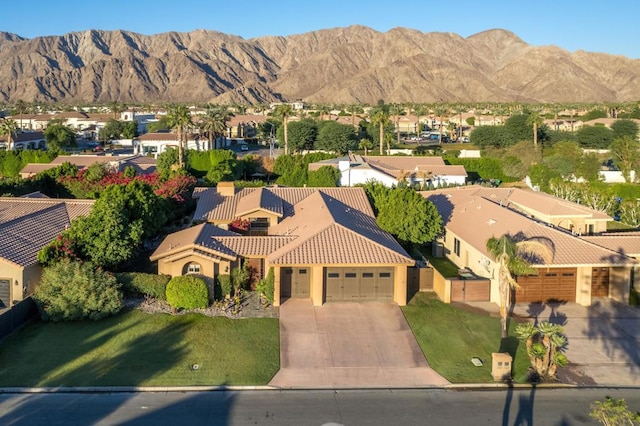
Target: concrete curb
column 182, row 389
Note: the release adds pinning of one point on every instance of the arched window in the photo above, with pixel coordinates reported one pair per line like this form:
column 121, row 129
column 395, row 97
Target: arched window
column 193, row 268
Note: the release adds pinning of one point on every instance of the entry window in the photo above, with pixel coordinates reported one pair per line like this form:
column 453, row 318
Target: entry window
column 193, row 268
column 385, row 275
column 550, row 274
column 302, row 271
column 456, row 246
column 367, row 275
column 333, row 275
column 350, row 275
column 567, row 274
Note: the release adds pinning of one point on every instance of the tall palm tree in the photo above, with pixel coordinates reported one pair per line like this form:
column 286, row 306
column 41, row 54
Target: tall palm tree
column 283, row 112
column 9, row 128
column 419, row 110
column 380, row 117
column 116, row 108
column 354, row 109
column 179, row 119
column 535, row 120
column 365, row 144
column 21, row 107
column 510, row 256
column 214, row 122
column 396, row 111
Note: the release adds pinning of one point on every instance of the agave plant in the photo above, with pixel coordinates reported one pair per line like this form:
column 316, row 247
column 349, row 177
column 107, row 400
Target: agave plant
column 545, row 345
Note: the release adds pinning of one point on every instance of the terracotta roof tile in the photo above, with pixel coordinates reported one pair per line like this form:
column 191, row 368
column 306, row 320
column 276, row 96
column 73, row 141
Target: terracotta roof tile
column 623, row 243
column 475, row 219
column 28, row 224
column 201, row 236
column 252, row 199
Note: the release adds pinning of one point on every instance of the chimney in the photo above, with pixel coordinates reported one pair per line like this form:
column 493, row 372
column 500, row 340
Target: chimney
column 226, row 189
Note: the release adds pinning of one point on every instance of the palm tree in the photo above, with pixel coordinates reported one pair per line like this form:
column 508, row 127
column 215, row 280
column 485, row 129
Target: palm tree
column 179, row 119
column 283, row 112
column 419, row 111
column 509, row 255
column 9, row 128
column 354, row 109
column 214, row 122
column 380, row 117
column 535, row 120
column 365, row 144
column 396, row 111
column 116, row 108
column 21, row 107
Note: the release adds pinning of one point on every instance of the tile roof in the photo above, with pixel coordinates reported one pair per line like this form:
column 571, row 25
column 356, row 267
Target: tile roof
column 475, row 219
column 319, row 226
column 624, row 242
column 28, row 224
column 202, row 237
column 140, row 163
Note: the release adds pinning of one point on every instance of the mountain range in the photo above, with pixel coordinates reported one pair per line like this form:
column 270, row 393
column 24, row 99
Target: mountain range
column 351, row 65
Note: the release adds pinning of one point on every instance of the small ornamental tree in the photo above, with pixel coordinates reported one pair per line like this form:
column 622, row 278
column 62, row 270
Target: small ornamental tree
column 266, row 286
column 545, row 343
column 71, row 290
column 187, row 292
column 614, row 412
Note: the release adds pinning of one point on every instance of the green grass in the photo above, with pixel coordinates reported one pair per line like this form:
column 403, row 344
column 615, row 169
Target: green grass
column 612, row 225
column 450, row 337
column 138, row 349
column 443, row 265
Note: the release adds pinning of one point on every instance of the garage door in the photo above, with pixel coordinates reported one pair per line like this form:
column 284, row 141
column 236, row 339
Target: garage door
column 559, row 284
column 358, row 284
column 600, row 282
column 5, row 294
column 295, row 283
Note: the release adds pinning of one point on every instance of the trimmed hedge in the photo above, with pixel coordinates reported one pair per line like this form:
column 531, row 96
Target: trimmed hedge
column 187, row 292
column 151, row 285
column 224, row 286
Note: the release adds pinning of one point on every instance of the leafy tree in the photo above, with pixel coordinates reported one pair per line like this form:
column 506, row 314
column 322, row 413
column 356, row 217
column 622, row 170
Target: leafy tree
column 58, row 136
column 223, row 166
column 161, row 125
column 595, row 137
column 325, row 176
column 405, row 214
column 626, row 155
column 588, row 167
column 71, row 290
column 111, row 130
column 545, row 343
column 614, row 412
column 187, row 292
column 518, row 128
column 336, row 137
column 302, row 134
column 487, row 136
column 510, row 256
column 622, row 127
column 129, row 130
column 594, row 114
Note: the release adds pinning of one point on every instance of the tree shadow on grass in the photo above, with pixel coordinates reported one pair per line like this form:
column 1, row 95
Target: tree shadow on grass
column 145, row 357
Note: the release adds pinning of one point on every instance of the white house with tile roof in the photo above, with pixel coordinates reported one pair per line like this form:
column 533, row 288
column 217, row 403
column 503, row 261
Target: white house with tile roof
column 390, row 170
column 322, row 243
column 579, row 270
column 27, row 224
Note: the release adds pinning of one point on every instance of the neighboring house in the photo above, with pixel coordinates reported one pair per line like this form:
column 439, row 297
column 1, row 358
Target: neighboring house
column 27, row 225
column 322, row 243
column 24, row 140
column 244, row 126
column 579, row 270
column 389, row 170
column 141, row 164
column 156, row 143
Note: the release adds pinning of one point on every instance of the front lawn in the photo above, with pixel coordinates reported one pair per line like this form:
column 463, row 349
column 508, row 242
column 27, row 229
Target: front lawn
column 139, row 349
column 450, row 337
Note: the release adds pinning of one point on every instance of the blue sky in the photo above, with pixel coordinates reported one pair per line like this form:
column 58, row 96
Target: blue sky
column 609, row 26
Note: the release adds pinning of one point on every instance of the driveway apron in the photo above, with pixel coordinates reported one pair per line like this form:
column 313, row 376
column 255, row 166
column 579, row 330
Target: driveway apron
column 349, row 345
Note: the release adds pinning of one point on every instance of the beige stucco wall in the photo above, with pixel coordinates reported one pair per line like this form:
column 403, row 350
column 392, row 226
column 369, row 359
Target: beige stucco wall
column 14, row 274
column 400, row 285
column 441, row 286
column 583, row 285
column 620, row 284
column 276, row 285
column 317, row 285
column 208, row 267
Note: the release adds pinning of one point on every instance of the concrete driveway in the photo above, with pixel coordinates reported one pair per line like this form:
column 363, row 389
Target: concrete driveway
column 349, row 345
column 604, row 340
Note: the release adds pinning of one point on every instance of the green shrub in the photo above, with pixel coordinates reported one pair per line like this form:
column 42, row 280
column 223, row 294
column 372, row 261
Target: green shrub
column 266, row 286
column 151, row 285
column 240, row 278
column 71, row 290
column 225, row 286
column 187, row 292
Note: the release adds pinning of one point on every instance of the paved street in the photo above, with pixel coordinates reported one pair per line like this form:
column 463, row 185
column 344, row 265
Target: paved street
column 538, row 407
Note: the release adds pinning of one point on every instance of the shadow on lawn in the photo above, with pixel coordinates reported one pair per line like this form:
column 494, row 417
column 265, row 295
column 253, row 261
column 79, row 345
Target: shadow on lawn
column 145, row 357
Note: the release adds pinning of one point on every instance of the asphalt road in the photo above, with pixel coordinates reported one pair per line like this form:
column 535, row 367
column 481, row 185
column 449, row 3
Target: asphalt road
column 383, row 407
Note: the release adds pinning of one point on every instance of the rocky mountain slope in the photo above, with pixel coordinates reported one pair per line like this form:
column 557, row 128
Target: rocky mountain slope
column 340, row 65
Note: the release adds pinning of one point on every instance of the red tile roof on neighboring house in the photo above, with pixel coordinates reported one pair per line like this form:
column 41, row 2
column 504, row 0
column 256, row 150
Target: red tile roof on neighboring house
column 28, row 224
column 475, row 219
column 140, row 163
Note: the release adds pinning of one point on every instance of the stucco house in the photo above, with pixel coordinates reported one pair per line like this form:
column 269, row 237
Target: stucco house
column 27, row 224
column 140, row 163
column 580, row 269
column 390, row 170
column 24, row 140
column 322, row 243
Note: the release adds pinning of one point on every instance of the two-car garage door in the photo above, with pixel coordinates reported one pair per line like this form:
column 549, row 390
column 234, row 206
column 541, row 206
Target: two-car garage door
column 552, row 283
column 358, row 284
